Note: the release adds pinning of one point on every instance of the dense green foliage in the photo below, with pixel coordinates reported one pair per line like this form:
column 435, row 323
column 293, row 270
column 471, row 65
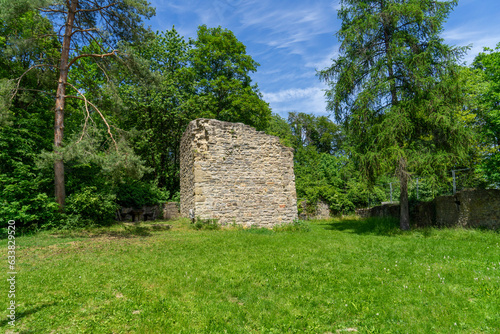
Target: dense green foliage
column 366, row 276
column 222, row 70
column 123, row 128
column 83, row 29
column 395, row 87
column 208, row 77
column 23, row 193
column 158, row 106
column 488, row 113
column 412, row 112
column 322, row 164
column 26, row 123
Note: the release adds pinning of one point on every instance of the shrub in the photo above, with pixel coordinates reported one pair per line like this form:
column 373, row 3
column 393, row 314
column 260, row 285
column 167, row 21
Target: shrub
column 31, row 212
column 136, row 194
column 89, row 207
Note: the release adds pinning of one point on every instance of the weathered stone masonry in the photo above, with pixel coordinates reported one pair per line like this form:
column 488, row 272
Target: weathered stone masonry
column 233, row 173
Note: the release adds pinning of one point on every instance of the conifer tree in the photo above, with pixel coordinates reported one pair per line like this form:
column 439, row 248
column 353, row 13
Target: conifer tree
column 395, row 85
column 105, row 25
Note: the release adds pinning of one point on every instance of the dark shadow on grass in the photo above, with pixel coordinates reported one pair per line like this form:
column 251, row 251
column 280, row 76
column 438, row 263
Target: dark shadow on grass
column 370, row 226
column 20, row 315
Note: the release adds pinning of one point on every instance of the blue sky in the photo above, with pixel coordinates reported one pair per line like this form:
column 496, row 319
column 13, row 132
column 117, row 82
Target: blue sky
column 291, row 39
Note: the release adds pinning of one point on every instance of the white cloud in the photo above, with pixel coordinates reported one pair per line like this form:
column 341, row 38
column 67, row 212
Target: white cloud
column 292, row 28
column 290, row 94
column 477, row 39
column 336, row 5
column 320, row 62
column 308, row 100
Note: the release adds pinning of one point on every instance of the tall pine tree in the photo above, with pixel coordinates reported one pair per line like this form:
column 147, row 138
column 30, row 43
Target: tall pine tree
column 104, row 25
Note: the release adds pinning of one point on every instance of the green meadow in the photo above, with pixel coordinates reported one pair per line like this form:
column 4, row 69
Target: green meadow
column 336, row 276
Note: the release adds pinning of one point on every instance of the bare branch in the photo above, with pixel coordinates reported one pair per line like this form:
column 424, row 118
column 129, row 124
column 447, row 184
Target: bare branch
column 113, row 53
column 43, row 36
column 86, row 120
column 83, row 30
column 103, row 72
column 96, row 109
column 22, row 75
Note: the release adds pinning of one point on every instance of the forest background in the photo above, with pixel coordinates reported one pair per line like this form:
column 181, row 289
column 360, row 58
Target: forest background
column 130, row 93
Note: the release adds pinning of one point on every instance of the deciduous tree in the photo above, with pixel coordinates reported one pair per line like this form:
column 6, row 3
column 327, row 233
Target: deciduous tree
column 161, row 104
column 223, row 70
column 488, row 112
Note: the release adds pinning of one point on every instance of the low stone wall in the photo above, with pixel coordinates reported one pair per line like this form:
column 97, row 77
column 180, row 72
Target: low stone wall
column 171, row 210
column 386, row 210
column 478, row 208
column 138, row 214
column 167, row 211
column 320, row 211
column 468, row 208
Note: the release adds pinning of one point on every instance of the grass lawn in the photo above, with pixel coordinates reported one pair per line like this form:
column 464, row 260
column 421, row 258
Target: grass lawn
column 343, row 275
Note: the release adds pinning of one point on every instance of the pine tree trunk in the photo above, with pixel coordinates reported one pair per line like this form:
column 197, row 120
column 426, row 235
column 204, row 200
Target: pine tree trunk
column 60, row 190
column 404, row 219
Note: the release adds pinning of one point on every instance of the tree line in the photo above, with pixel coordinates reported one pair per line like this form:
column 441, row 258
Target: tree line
column 93, row 106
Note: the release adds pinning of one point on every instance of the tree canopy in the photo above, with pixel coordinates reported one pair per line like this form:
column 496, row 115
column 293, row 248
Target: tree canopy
column 395, row 87
column 120, row 97
column 77, row 24
column 222, row 70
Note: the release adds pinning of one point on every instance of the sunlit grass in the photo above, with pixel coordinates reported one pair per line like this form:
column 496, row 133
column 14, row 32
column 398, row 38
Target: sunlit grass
column 331, row 277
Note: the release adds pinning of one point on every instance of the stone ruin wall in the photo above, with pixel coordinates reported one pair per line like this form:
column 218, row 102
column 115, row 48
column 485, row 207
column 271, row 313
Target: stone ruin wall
column 468, row 208
column 319, row 210
column 168, row 210
column 235, row 174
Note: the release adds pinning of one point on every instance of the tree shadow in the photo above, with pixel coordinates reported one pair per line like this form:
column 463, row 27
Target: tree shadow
column 381, row 226
column 20, row 315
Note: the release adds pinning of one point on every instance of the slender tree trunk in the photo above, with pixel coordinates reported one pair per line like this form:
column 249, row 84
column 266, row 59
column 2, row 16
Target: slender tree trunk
column 404, row 219
column 60, row 191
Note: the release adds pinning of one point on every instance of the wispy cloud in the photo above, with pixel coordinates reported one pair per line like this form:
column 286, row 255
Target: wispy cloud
column 336, row 5
column 322, row 61
column 476, row 39
column 195, row 12
column 291, row 25
column 290, row 94
column 308, row 100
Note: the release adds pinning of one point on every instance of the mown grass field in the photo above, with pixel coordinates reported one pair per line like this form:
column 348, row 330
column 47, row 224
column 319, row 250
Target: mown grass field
column 343, row 275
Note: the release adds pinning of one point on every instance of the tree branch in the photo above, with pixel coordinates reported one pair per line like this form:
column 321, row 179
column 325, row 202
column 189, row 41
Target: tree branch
column 86, row 36
column 22, row 75
column 97, row 9
column 36, row 90
column 113, row 53
column 83, row 30
column 83, row 98
column 53, row 11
